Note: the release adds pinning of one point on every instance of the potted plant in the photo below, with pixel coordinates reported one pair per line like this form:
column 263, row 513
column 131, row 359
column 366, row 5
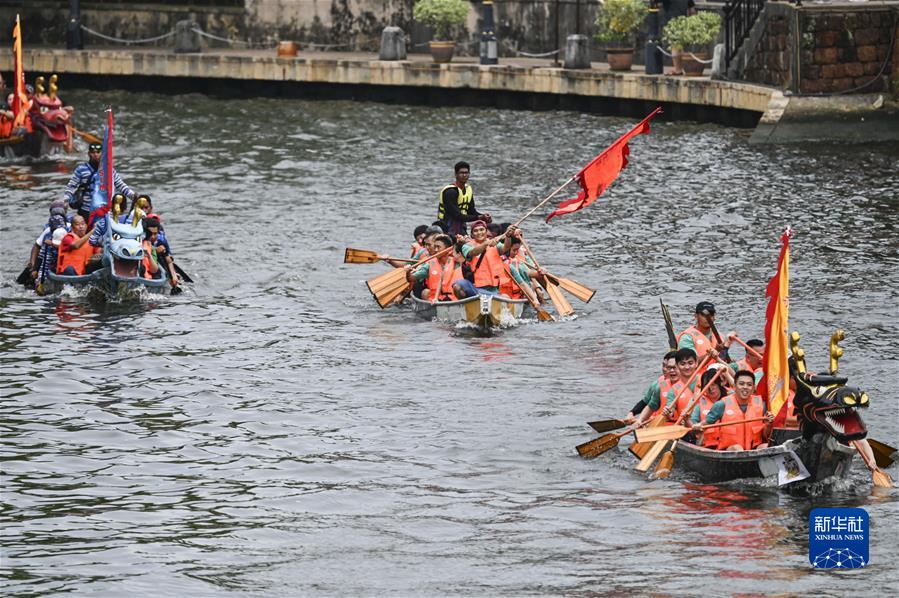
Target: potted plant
column 442, row 16
column 616, row 23
column 689, row 37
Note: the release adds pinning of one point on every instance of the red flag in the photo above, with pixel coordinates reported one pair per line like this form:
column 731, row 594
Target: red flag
column 20, row 98
column 602, row 171
column 774, row 386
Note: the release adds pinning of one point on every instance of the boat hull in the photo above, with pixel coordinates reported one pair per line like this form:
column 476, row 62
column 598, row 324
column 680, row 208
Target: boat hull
column 824, row 457
column 106, row 282
column 484, row 311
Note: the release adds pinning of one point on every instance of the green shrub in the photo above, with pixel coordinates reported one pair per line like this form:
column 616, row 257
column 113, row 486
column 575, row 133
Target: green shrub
column 617, row 20
column 442, row 15
column 695, row 31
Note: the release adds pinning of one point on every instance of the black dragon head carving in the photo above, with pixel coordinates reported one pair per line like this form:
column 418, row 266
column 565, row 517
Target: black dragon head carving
column 823, row 401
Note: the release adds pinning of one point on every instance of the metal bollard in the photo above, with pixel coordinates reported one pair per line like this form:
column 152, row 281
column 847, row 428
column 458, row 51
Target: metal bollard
column 653, row 57
column 393, row 44
column 577, row 52
column 488, row 36
column 186, row 40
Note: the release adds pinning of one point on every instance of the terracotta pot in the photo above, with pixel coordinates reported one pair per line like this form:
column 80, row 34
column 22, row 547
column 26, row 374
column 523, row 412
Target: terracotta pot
column 620, row 59
column 442, row 51
column 692, row 67
column 287, row 48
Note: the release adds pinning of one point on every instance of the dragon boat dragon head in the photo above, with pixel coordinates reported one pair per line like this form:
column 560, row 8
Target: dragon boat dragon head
column 823, row 401
column 124, row 247
column 47, row 111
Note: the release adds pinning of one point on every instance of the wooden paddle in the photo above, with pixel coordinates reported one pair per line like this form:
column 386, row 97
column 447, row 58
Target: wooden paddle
column 390, row 285
column 639, row 449
column 747, row 347
column 581, row 292
column 677, row 432
column 884, row 454
column 606, row 425
column 663, row 469
column 563, row 308
column 879, row 477
column 25, row 276
column 719, row 340
column 11, row 140
column 184, row 276
column 89, row 137
column 648, row 459
column 542, row 314
column 364, row 256
column 669, row 327
column 598, row 446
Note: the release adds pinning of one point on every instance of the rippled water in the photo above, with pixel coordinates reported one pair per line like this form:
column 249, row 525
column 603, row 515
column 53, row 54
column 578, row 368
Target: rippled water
column 273, row 432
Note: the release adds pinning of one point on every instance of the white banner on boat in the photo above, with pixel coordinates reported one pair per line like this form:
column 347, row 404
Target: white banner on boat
column 790, row 469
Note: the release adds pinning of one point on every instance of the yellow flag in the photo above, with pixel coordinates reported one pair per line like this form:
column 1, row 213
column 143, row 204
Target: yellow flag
column 775, row 382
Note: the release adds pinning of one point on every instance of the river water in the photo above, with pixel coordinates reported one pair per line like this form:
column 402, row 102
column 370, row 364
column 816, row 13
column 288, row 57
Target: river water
column 273, row 432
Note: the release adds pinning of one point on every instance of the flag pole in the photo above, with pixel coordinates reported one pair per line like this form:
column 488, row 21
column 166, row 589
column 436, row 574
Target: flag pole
column 545, row 199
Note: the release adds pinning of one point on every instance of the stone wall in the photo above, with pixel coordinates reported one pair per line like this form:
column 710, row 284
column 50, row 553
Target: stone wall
column 771, row 63
column 842, row 51
column 835, row 48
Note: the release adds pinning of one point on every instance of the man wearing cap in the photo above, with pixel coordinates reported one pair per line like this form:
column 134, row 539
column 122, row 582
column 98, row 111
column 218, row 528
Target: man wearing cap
column 699, row 336
column 456, row 203
column 81, row 184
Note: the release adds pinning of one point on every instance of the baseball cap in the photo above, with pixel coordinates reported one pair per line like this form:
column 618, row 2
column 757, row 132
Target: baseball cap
column 58, row 234
column 705, row 307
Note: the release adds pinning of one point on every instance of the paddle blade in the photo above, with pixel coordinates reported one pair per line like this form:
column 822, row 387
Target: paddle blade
column 583, row 293
column 563, row 308
column 639, row 449
column 11, row 140
column 89, row 137
column 606, row 425
column 651, row 455
column 881, row 479
column 543, row 315
column 388, row 286
column 884, row 454
column 184, row 275
column 645, row 435
column 360, row 256
column 598, row 446
column 25, row 276
column 663, row 469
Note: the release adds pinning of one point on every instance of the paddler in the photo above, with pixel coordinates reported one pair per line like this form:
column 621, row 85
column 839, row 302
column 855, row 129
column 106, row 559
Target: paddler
column 484, row 260
column 713, row 393
column 741, row 405
column 456, row 203
column 657, row 390
column 686, row 365
column 81, row 184
column 440, row 275
column 699, row 337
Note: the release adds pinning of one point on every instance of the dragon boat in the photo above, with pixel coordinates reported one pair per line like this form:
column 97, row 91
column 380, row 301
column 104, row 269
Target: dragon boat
column 50, row 124
column 120, row 275
column 486, row 312
column 829, row 422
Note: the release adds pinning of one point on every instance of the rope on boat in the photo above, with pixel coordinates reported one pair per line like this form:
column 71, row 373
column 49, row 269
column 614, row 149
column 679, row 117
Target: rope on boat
column 128, row 42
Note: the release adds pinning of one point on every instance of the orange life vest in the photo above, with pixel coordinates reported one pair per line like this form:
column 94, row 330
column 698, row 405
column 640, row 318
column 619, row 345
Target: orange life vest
column 748, row 436
column 507, row 284
column 148, row 260
column 701, row 343
column 441, row 278
column 77, row 258
column 709, row 437
column 664, row 386
column 684, row 398
column 489, row 273
column 5, row 127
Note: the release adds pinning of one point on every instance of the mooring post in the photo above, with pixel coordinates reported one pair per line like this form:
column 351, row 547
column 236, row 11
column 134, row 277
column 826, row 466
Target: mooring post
column 73, row 28
column 653, row 57
column 488, row 35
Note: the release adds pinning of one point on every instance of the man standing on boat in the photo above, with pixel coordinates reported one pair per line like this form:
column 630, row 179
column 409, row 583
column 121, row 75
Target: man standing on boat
column 699, row 337
column 81, row 184
column 456, row 203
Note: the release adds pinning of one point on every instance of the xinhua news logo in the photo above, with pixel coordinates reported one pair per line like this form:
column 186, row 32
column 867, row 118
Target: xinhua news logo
column 838, row 538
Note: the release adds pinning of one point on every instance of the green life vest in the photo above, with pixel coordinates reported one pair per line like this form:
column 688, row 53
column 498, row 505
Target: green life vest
column 464, row 200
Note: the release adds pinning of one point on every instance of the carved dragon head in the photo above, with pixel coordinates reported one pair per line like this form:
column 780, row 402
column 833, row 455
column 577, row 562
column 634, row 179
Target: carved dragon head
column 824, row 400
